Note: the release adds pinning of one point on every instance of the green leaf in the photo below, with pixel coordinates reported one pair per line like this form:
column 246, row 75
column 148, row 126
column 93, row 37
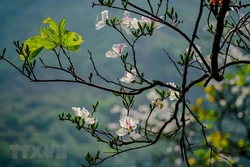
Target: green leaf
column 52, row 25
column 140, row 26
column 191, row 56
column 34, row 46
column 47, row 44
column 170, row 13
column 71, row 41
column 96, row 156
column 89, row 158
column 52, row 39
column 62, row 27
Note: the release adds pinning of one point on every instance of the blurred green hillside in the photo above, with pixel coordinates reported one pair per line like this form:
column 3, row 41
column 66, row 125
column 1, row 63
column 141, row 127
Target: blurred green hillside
column 29, row 111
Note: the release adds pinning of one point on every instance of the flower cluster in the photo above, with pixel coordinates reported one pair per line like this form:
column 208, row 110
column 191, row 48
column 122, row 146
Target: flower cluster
column 127, row 22
column 162, row 113
column 84, row 114
column 116, row 51
column 128, row 124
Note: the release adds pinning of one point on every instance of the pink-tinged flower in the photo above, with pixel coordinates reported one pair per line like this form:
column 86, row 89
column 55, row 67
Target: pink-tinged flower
column 128, row 125
column 173, row 95
column 101, row 23
column 126, row 22
column 84, row 114
column 129, row 76
column 116, row 51
column 126, row 18
column 196, row 55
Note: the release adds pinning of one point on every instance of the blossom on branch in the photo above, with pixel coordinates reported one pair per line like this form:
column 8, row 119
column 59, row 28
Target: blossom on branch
column 126, row 22
column 129, row 76
column 129, row 22
column 116, row 51
column 128, row 125
column 101, row 23
column 173, row 95
column 84, row 114
column 149, row 22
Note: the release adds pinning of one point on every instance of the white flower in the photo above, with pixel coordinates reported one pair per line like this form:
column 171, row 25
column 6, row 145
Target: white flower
column 126, row 22
column 128, row 125
column 126, row 18
column 129, row 76
column 148, row 21
column 84, row 114
column 196, row 55
column 134, row 23
column 100, row 24
column 173, row 94
column 116, row 51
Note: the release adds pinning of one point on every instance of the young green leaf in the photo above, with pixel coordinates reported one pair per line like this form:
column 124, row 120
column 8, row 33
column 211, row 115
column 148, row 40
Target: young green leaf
column 47, row 44
column 50, row 40
column 34, row 46
column 71, row 41
column 62, row 27
column 52, row 25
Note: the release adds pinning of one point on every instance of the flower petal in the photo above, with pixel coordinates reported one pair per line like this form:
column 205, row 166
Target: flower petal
column 125, row 79
column 123, row 122
column 105, row 15
column 121, row 132
column 134, row 23
column 77, row 111
column 99, row 25
column 126, row 18
column 134, row 124
column 85, row 113
column 89, row 120
column 118, row 48
column 111, row 54
column 129, row 76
